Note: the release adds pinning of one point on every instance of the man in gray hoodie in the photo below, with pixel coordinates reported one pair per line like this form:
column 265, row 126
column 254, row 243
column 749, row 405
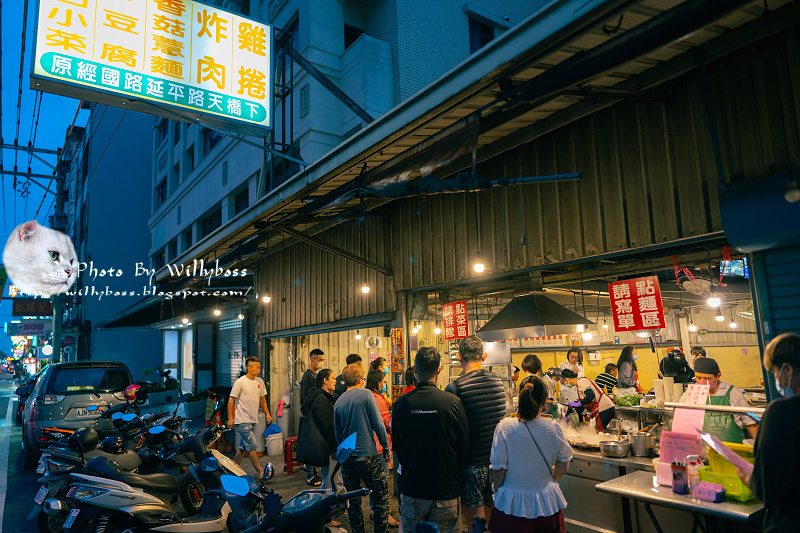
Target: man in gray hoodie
column 356, row 412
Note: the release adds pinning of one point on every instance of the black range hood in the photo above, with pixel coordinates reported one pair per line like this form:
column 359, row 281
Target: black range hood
column 534, row 315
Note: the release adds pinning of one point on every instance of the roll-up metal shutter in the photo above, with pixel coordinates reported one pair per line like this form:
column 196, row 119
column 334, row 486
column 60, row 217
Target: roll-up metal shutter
column 229, row 349
column 776, row 295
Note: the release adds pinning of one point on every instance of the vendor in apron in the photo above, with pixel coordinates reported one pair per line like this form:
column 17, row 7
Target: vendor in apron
column 592, row 399
column 726, row 427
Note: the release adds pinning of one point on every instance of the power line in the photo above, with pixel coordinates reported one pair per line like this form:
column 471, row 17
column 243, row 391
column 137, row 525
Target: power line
column 19, row 92
column 97, row 164
column 60, row 155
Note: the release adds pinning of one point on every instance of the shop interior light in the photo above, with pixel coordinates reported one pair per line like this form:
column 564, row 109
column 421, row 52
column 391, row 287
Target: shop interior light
column 713, row 300
column 185, row 320
column 587, row 336
column 415, row 329
column 189, row 324
column 241, row 315
column 358, row 335
column 437, row 330
column 718, row 317
column 642, row 334
column 792, row 193
column 217, row 312
column 365, row 287
column 605, row 326
column 733, row 324
column 579, row 328
column 692, row 327
column 266, row 298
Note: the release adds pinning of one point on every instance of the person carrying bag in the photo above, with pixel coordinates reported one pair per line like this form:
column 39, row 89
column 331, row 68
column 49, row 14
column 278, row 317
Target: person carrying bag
column 316, row 436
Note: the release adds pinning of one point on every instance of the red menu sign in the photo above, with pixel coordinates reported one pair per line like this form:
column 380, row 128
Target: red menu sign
column 456, row 325
column 636, row 304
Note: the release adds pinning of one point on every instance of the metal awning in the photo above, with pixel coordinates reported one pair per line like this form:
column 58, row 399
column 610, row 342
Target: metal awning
column 567, row 61
column 367, row 321
column 528, row 316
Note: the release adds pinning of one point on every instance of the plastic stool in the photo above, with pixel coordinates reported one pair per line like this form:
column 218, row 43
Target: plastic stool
column 288, row 455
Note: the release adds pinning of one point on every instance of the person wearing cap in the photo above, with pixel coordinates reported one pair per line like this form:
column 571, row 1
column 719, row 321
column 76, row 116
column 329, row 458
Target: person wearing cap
column 726, row 427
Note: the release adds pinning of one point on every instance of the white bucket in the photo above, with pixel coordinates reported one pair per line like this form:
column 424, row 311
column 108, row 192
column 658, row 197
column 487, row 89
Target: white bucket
column 275, row 444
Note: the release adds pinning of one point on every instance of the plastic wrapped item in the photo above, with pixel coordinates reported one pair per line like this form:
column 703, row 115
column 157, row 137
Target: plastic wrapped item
column 627, row 397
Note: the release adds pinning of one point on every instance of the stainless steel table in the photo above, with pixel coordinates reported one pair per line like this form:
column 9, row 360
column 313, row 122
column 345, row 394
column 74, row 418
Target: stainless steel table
column 639, row 486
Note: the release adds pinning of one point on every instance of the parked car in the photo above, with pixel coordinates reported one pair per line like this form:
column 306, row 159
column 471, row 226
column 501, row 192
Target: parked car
column 23, row 391
column 60, row 396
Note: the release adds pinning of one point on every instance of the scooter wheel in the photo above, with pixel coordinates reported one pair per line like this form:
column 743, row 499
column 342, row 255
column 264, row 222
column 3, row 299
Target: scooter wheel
column 50, row 524
column 192, row 496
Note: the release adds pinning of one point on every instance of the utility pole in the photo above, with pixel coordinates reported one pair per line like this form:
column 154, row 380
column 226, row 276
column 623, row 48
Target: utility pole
column 58, row 300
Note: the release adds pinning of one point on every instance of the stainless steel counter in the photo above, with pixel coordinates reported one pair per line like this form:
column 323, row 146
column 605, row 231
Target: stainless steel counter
column 630, row 462
column 639, row 486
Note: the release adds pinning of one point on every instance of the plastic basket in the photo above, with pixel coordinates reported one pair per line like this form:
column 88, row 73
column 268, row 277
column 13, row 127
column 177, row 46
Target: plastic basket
column 720, row 465
column 734, row 488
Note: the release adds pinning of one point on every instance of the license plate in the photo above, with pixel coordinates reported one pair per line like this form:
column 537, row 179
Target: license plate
column 40, row 468
column 83, row 413
column 41, row 495
column 73, row 514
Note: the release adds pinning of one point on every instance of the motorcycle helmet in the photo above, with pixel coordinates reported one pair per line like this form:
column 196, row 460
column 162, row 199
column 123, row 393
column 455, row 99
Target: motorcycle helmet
column 85, row 440
column 113, row 444
column 135, row 393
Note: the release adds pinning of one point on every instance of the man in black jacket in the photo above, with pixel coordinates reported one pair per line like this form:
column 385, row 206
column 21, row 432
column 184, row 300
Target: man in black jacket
column 431, row 437
column 484, row 399
column 315, row 360
column 341, row 386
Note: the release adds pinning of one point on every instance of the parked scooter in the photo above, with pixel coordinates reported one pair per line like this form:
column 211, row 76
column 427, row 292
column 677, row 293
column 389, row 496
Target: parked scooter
column 306, row 512
column 127, row 501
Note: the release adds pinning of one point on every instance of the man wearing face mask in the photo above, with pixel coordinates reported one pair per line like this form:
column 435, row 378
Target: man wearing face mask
column 726, row 427
column 777, row 463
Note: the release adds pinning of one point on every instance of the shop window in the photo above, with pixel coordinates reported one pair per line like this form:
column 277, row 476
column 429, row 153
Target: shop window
column 240, row 202
column 161, row 131
column 173, row 250
column 177, row 132
column 188, row 160
column 188, row 238
column 212, row 222
column 479, row 35
column 159, row 260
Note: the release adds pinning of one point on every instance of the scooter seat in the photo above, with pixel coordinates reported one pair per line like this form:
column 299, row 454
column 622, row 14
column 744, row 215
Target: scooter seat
column 152, row 482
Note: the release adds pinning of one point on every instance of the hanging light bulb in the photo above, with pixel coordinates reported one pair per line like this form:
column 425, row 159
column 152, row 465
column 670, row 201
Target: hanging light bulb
column 365, row 287
column 587, row 336
column 478, row 266
column 692, row 327
column 642, row 334
column 605, row 326
column 358, row 335
column 733, row 324
column 713, row 300
column 437, row 330
column 185, row 320
column 718, row 317
column 579, row 328
column 241, row 315
column 266, row 298
column 217, row 312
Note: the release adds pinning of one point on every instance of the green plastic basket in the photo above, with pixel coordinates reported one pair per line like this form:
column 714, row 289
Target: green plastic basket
column 734, row 488
column 720, row 465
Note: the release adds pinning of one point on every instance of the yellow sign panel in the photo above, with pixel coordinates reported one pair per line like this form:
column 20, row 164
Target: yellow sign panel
column 176, row 52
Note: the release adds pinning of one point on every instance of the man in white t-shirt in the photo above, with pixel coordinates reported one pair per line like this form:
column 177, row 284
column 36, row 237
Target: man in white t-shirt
column 248, row 393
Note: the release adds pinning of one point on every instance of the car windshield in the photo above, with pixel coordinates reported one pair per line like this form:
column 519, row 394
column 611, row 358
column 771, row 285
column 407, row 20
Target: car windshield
column 101, row 379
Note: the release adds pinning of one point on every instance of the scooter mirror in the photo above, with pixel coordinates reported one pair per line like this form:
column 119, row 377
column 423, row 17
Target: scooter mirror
column 238, row 486
column 346, row 448
column 183, row 398
column 127, row 417
column 116, row 416
column 209, row 464
column 156, row 430
column 92, row 408
column 168, row 399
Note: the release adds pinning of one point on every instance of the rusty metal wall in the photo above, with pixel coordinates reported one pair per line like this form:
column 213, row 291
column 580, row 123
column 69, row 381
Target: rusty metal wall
column 309, row 285
column 649, row 175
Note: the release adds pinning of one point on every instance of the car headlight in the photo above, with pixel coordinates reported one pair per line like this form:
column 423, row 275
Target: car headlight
column 81, row 493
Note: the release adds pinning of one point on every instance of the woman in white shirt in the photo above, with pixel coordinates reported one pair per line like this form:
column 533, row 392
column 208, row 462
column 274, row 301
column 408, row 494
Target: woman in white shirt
column 528, row 455
column 574, row 362
column 592, row 398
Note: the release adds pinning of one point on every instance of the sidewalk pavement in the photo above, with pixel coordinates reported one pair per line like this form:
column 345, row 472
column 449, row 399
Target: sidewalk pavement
column 282, row 483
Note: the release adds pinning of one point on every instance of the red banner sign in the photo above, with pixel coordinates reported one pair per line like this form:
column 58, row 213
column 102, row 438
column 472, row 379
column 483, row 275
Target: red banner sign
column 456, row 325
column 31, row 307
column 636, row 304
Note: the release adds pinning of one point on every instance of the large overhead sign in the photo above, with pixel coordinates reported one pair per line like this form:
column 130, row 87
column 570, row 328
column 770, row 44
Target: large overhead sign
column 160, row 57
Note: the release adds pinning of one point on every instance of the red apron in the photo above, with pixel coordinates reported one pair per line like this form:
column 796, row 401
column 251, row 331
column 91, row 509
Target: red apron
column 598, row 394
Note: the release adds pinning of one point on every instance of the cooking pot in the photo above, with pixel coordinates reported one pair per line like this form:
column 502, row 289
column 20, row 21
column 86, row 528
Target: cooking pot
column 612, row 448
column 641, row 443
